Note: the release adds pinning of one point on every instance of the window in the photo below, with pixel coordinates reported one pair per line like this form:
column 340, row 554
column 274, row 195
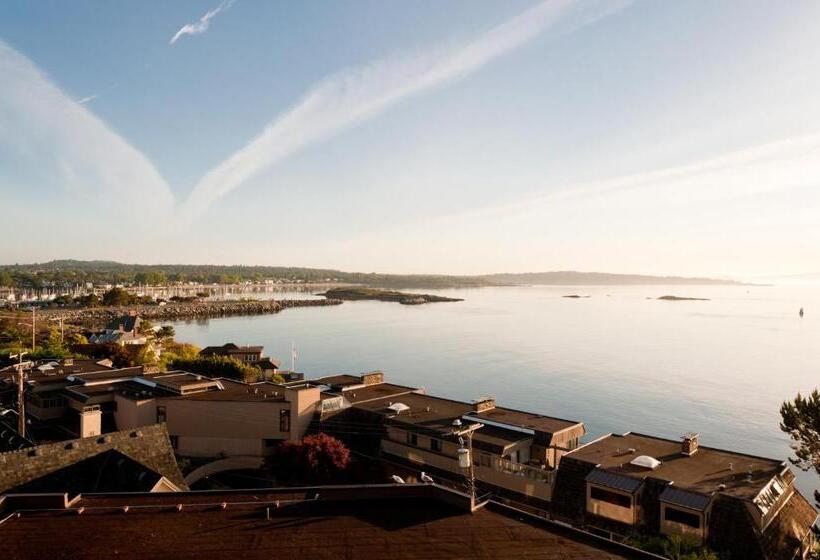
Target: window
column 174, row 441
column 485, row 460
column 610, row 497
column 412, row 439
column 284, row 420
column 161, row 416
column 683, row 517
column 435, row 445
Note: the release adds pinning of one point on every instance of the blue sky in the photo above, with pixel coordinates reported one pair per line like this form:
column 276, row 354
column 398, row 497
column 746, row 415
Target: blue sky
column 424, row 136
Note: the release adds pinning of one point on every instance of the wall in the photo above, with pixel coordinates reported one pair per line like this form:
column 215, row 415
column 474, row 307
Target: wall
column 673, row 528
column 130, row 414
column 611, row 511
column 446, row 460
column 303, row 406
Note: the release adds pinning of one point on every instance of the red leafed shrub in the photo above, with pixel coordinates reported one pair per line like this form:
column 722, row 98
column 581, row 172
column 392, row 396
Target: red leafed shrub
column 317, row 459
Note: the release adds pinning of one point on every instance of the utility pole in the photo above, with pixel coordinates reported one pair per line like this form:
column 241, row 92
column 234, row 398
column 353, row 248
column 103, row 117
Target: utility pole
column 33, row 328
column 21, row 400
column 465, row 454
column 62, row 332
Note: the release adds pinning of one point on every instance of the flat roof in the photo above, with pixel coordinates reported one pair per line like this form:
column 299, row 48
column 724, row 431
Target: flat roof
column 238, row 391
column 532, row 421
column 372, row 392
column 702, row 472
column 408, row 522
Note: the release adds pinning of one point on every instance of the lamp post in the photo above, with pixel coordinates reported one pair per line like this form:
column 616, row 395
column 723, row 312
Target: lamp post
column 465, row 454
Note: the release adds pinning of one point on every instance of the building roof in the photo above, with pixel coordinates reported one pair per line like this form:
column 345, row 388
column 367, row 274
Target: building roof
column 222, row 389
column 148, row 445
column 60, row 371
column 683, row 498
column 230, row 348
column 370, row 522
column 10, row 439
column 706, row 471
column 125, row 323
column 109, row 471
column 536, row 422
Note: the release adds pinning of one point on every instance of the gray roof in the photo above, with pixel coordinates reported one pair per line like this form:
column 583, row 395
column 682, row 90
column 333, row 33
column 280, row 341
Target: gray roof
column 614, row 480
column 683, row 498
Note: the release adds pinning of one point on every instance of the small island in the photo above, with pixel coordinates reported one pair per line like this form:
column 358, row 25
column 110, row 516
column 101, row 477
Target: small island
column 679, row 298
column 354, row 293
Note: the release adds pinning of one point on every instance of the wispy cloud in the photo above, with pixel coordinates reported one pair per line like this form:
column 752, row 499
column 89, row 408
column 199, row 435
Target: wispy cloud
column 358, row 94
column 87, row 99
column 203, row 24
column 71, row 144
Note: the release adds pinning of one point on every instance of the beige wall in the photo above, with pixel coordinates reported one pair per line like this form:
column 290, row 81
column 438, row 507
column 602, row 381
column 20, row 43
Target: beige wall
column 673, row 528
column 611, row 511
column 303, row 405
column 132, row 414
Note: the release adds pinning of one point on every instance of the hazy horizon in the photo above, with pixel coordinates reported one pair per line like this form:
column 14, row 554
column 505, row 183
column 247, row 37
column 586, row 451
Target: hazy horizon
column 460, row 137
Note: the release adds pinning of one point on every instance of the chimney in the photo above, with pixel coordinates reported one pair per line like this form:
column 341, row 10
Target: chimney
column 484, row 404
column 689, row 446
column 372, row 378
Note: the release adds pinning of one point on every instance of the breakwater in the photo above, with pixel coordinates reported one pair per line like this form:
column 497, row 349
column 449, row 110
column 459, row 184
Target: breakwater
column 99, row 316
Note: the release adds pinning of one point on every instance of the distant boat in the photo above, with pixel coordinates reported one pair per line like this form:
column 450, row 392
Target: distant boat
column 801, row 311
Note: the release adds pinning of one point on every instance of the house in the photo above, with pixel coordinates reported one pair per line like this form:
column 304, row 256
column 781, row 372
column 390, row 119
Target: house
column 124, row 330
column 212, row 417
column 133, row 460
column 372, row 522
column 246, row 354
column 514, row 452
column 730, row 501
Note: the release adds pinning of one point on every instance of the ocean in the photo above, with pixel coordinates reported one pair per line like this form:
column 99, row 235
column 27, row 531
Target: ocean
column 619, row 360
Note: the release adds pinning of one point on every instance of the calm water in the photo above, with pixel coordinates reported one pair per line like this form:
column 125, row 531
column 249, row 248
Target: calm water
column 617, row 360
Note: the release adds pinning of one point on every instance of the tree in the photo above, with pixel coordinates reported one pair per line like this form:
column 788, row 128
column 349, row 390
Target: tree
column 801, row 420
column 166, row 332
column 219, row 366
column 316, row 459
column 116, row 296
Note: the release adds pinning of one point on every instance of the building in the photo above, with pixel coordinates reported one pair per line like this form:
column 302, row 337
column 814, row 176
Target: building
column 124, row 330
column 246, row 354
column 743, row 504
column 514, row 452
column 132, row 460
column 372, row 522
column 213, row 417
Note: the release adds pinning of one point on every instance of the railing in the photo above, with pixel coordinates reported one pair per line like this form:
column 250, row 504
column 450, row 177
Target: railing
column 520, row 469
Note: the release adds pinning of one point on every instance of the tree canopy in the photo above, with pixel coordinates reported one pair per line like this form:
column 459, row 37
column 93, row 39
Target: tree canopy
column 316, row 459
column 800, row 419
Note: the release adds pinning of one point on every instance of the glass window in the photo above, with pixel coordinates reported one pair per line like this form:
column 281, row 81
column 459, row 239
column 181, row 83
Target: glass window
column 435, row 445
column 610, row 497
column 412, row 439
column 161, row 416
column 680, row 516
column 284, row 420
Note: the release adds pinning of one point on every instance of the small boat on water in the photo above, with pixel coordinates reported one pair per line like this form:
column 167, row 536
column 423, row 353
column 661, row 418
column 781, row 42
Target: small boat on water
column 801, row 311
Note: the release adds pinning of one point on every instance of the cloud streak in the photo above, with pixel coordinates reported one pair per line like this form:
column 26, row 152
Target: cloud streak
column 202, row 25
column 70, row 145
column 356, row 95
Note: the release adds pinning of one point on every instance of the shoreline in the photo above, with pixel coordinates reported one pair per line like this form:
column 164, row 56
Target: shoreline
column 96, row 316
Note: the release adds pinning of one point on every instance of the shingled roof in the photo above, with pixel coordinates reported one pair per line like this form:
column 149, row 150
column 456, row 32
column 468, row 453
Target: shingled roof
column 149, row 446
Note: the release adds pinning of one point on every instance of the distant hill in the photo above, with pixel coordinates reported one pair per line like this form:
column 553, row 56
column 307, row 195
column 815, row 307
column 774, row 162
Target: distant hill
column 574, row 278
column 67, row 273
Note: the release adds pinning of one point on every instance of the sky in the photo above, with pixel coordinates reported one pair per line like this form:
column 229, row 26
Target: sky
column 429, row 136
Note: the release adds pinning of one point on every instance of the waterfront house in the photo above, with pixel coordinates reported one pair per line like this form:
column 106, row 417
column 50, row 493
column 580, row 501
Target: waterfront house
column 514, row 452
column 246, row 354
column 124, row 330
column 730, row 501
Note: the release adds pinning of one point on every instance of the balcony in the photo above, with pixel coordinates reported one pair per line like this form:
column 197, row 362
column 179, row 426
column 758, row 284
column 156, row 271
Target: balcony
column 519, row 469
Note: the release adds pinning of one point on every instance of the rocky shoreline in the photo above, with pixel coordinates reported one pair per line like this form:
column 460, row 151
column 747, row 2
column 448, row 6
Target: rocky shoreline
column 98, row 316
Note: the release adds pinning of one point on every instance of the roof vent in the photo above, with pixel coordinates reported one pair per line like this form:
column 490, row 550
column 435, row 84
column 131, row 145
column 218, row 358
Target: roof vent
column 645, row 462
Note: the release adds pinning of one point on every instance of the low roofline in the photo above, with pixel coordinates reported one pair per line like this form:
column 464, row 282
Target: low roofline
column 782, row 462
